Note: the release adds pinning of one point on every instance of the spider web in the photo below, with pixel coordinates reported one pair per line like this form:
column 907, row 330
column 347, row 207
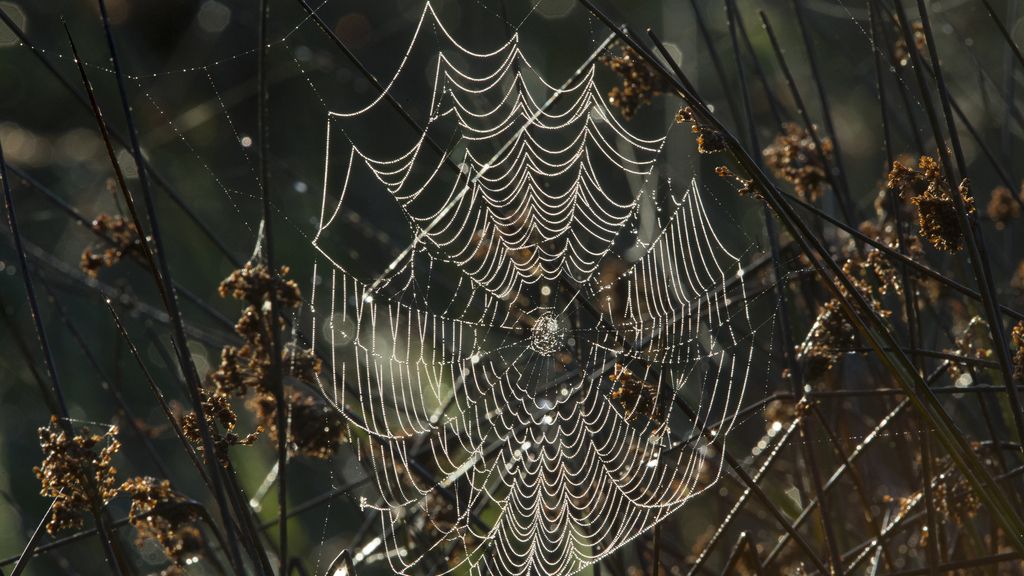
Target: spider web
column 516, row 372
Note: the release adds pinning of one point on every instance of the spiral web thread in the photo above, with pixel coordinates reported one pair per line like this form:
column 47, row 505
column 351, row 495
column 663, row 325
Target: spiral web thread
column 479, row 364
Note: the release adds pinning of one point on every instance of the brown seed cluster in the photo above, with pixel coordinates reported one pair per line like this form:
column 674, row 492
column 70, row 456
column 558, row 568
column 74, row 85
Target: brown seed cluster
column 974, row 341
column 746, row 184
column 159, row 513
column 637, row 396
column 218, row 410
column 900, row 54
column 832, row 335
column 74, row 470
column 952, row 493
column 709, row 140
column 937, row 215
column 1018, row 356
column 1002, row 207
column 794, row 157
column 314, row 429
column 640, row 81
column 247, row 367
column 955, row 499
column 829, row 338
column 122, row 240
column 253, row 283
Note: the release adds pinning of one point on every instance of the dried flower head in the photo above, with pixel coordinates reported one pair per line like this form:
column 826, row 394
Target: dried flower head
column 938, row 218
column 746, row 184
column 253, row 284
column 641, row 82
column 1002, row 207
column 832, row 335
column 900, row 54
column 952, row 493
column 974, row 341
column 121, row 240
column 161, row 514
column 637, row 396
column 74, row 471
column 217, row 410
column 247, row 367
column 829, row 338
column 709, row 140
column 794, row 157
column 1018, row 356
column 315, row 429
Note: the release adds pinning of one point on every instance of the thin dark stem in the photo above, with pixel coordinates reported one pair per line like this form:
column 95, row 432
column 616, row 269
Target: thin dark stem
column 975, row 241
column 857, row 308
column 736, row 554
column 773, row 102
column 45, row 390
column 826, row 111
column 785, row 331
column 887, row 40
column 959, row 565
column 111, row 547
column 656, row 570
column 276, row 376
column 158, row 394
column 748, row 482
column 715, row 59
column 26, row 553
column 344, row 558
column 812, row 131
column 157, row 177
column 858, row 483
column 1005, row 34
column 115, row 391
column 157, row 257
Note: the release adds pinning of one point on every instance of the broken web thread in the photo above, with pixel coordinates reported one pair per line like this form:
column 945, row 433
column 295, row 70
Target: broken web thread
column 515, row 371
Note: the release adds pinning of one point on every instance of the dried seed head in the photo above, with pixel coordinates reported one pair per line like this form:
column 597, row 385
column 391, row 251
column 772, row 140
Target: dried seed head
column 937, row 214
column 1018, row 356
column 638, row 397
column 830, row 337
column 122, row 240
column 974, row 341
column 746, row 184
column 1002, row 207
column 218, row 410
column 1017, row 281
column 73, row 470
column 900, row 54
column 794, row 157
column 709, row 140
column 641, row 82
column 161, row 514
column 247, row 367
column 315, row 429
column 253, row 284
